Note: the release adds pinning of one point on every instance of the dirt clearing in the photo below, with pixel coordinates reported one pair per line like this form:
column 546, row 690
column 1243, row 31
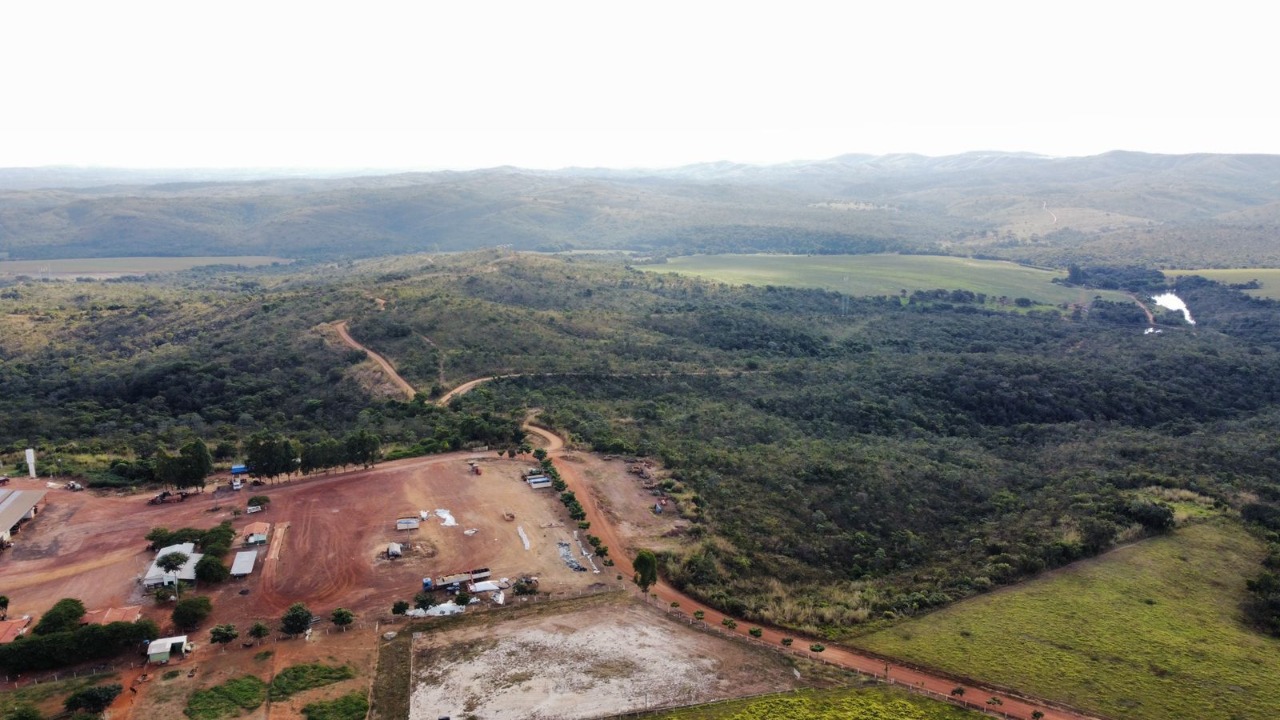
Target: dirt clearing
column 612, row 657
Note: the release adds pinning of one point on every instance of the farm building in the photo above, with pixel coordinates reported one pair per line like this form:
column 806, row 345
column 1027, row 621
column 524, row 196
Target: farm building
column 156, row 577
column 132, row 613
column 11, row 630
column 407, row 523
column 257, row 533
column 394, row 550
column 16, row 507
column 160, row 650
column 539, row 483
column 243, row 564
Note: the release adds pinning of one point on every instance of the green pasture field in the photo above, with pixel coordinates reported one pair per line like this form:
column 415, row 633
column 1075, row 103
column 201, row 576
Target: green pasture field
column 117, row 266
column 862, row 275
column 1268, row 278
column 1150, row 631
column 874, row 703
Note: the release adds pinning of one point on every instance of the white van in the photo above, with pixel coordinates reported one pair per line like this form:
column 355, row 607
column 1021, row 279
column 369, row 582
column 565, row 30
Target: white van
column 236, row 483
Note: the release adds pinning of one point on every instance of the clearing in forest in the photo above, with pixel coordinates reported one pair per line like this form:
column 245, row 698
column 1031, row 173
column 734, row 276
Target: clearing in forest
column 861, row 275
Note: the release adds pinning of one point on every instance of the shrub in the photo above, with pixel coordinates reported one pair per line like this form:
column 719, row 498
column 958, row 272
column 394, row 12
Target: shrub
column 227, row 699
column 190, row 612
column 788, row 641
column 94, row 699
column 817, row 647
column 295, row 679
column 400, row 607
column 755, row 632
column 352, row 706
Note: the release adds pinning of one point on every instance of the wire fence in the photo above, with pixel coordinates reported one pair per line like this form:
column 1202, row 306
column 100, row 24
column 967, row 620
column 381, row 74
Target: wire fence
column 393, row 621
column 320, row 629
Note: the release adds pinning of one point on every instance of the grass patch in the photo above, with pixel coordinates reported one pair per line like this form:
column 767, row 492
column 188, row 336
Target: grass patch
column 46, row 691
column 295, row 679
column 227, row 699
column 114, row 266
column 171, row 674
column 352, row 706
column 861, row 275
column 264, row 655
column 391, row 685
column 872, row 703
column 1151, row 631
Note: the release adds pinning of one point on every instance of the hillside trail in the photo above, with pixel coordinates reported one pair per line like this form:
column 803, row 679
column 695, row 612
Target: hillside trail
column 975, row 695
column 387, row 367
column 1151, row 318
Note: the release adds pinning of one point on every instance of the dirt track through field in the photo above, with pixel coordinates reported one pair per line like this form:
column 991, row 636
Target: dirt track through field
column 919, row 680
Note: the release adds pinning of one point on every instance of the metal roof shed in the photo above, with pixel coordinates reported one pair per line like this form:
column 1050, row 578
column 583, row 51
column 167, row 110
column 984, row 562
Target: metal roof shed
column 16, row 506
column 160, row 650
column 407, row 524
column 156, row 576
column 243, row 564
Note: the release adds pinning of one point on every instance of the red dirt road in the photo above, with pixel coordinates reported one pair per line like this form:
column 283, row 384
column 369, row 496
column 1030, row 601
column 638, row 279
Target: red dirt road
column 387, row 367
column 913, row 679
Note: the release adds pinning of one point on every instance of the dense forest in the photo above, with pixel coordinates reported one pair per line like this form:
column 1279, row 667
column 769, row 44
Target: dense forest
column 839, row 460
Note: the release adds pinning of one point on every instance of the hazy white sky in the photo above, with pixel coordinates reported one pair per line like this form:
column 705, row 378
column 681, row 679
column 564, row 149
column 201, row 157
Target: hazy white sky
column 432, row 84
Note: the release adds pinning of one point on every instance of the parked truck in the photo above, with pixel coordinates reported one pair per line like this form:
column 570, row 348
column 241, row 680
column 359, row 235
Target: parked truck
column 168, row 497
column 468, row 576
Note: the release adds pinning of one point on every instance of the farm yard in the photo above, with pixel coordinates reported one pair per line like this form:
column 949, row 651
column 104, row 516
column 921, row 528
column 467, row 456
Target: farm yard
column 326, row 547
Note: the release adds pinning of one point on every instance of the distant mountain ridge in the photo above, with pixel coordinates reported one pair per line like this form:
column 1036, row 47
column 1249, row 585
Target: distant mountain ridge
column 1177, row 210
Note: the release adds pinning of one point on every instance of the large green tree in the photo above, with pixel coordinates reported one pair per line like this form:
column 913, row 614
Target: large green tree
column 270, row 455
column 188, row 469
column 64, row 615
column 646, row 566
column 296, row 619
column 362, row 448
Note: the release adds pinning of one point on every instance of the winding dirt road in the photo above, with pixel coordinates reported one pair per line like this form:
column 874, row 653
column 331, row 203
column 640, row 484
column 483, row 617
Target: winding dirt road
column 387, row 367
column 1002, row 703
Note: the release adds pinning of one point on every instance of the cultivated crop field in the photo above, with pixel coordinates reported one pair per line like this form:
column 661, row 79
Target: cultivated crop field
column 872, row 703
column 861, row 275
column 109, row 267
column 1150, row 631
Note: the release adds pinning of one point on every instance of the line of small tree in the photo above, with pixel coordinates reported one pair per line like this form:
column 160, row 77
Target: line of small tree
column 271, row 455
column 59, row 639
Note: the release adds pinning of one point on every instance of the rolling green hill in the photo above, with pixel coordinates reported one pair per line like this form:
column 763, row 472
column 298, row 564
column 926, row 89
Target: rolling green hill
column 1117, row 208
